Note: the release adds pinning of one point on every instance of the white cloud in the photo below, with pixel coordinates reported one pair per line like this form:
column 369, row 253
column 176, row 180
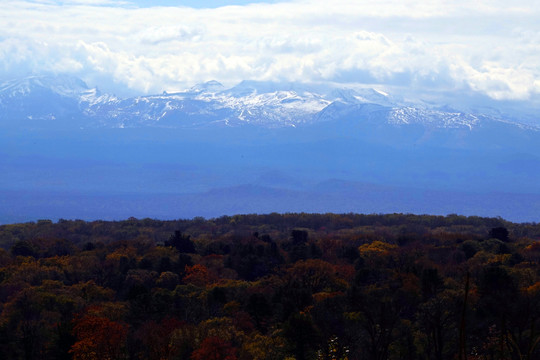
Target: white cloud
column 489, row 46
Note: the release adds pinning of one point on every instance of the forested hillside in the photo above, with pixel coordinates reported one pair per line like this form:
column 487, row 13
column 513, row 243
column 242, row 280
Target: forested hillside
column 277, row 286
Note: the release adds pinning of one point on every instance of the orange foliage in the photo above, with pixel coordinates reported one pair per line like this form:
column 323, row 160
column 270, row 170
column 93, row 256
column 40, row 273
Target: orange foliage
column 345, row 272
column 321, row 296
column 98, row 338
column 533, row 290
column 376, row 247
column 312, row 274
column 376, row 253
column 128, row 252
column 214, row 348
column 197, row 275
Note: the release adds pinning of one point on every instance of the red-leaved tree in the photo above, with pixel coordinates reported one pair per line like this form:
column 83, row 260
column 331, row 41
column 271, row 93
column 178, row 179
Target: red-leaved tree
column 214, row 348
column 98, row 338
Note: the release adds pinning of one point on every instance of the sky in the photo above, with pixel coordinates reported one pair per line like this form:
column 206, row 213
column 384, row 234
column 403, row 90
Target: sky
column 491, row 47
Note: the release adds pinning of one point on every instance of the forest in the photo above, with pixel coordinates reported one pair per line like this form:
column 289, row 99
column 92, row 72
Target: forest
column 267, row 287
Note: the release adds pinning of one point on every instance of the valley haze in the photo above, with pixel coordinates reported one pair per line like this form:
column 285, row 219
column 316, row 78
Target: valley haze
column 70, row 151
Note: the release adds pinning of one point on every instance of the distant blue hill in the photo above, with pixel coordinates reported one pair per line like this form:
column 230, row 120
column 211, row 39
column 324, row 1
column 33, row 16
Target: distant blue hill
column 68, row 151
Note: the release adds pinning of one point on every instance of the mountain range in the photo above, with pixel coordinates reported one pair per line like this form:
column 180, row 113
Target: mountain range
column 68, row 150
column 32, row 99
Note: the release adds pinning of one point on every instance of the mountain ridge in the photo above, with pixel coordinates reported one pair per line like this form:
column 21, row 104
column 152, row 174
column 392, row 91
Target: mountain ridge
column 256, row 147
column 265, row 104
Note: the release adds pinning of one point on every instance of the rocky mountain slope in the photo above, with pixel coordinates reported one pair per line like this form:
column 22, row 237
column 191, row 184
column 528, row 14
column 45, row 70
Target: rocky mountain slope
column 38, row 100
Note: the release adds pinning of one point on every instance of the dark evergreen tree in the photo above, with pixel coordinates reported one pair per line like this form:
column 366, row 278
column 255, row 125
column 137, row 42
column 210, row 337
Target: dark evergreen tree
column 500, row 233
column 181, row 242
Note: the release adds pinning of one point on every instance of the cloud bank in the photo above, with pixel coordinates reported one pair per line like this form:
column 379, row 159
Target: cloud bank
column 491, row 47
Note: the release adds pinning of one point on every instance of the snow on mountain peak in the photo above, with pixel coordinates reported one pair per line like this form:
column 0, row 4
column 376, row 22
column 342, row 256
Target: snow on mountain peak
column 269, row 104
column 63, row 85
column 432, row 118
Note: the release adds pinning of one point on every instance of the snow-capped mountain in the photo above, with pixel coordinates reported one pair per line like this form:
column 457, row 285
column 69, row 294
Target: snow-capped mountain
column 69, row 101
column 41, row 98
column 62, row 85
column 210, row 104
column 295, row 147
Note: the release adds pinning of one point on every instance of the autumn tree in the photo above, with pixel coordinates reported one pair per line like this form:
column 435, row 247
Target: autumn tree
column 197, row 275
column 99, row 338
column 156, row 337
column 215, row 348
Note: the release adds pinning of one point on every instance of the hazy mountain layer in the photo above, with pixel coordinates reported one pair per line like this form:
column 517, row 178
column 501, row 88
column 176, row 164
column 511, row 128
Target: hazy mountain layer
column 70, row 151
